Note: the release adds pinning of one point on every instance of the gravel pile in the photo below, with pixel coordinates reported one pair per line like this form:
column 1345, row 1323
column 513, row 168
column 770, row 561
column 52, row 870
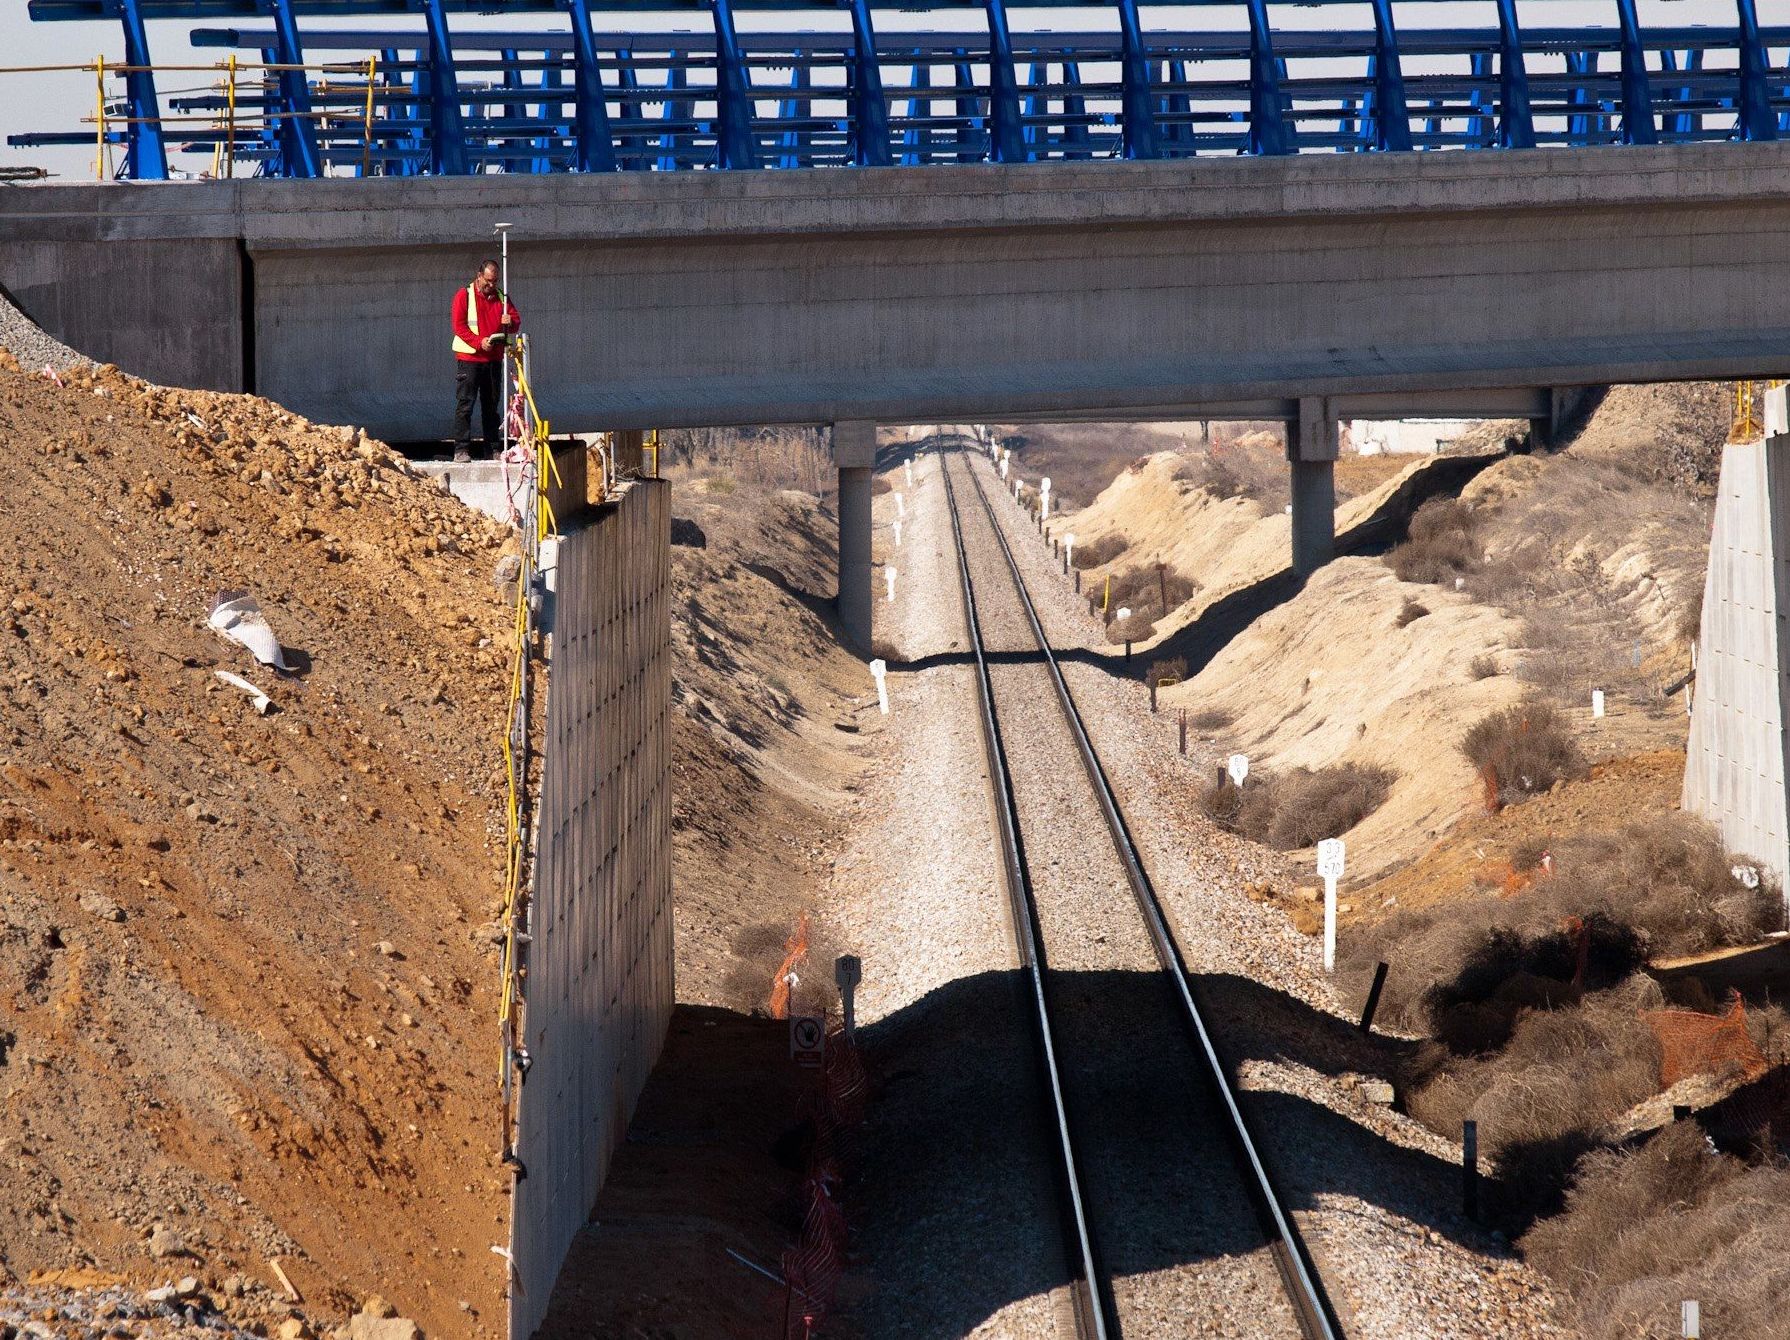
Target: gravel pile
column 26, row 341
column 1150, row 1146
column 1377, row 1194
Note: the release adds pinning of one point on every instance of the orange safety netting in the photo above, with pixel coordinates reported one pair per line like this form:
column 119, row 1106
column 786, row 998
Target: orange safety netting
column 1704, row 1044
column 795, row 949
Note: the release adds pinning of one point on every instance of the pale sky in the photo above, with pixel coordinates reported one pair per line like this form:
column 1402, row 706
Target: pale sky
column 59, row 101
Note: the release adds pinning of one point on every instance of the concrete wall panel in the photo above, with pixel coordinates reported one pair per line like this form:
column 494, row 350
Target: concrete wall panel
column 168, row 311
column 599, row 986
column 1735, row 767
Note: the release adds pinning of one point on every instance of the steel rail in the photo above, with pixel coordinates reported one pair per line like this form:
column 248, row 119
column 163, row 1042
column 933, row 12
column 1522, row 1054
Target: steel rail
column 1316, row 1314
column 1093, row 1303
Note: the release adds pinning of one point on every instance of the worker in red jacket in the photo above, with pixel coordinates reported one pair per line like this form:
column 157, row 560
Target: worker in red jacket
column 485, row 320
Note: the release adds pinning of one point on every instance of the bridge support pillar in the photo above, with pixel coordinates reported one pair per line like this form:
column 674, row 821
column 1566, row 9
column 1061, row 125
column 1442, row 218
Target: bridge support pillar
column 1313, row 443
column 1564, row 406
column 854, row 454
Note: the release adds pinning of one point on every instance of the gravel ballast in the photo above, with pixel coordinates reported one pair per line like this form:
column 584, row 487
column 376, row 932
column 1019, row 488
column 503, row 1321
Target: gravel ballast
column 26, row 341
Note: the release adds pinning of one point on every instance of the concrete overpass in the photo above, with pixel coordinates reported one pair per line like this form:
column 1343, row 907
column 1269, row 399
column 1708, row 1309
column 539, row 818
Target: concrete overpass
column 1307, row 288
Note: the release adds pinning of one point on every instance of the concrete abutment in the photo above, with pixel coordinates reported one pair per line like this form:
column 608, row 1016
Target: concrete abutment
column 1313, row 444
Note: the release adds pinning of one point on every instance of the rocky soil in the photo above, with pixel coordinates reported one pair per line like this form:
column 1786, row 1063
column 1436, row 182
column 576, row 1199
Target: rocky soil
column 247, row 1010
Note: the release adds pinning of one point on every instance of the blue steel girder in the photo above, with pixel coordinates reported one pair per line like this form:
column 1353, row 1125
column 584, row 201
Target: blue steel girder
column 1392, row 119
column 296, row 130
column 793, row 140
column 734, row 145
column 869, row 108
column 1137, row 121
column 1075, row 110
column 447, row 122
column 1268, row 129
column 593, row 145
column 1637, row 97
column 1006, row 145
column 146, row 156
column 1516, row 122
column 1756, row 121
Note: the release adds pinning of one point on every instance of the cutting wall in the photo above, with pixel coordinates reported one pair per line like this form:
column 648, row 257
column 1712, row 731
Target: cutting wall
column 1734, row 773
column 599, row 984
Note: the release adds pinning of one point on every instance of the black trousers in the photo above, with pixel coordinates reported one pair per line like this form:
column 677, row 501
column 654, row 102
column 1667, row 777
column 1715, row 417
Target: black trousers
column 482, row 382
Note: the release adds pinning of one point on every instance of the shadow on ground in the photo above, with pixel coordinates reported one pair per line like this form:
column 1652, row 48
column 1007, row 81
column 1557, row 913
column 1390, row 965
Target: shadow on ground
column 949, row 1183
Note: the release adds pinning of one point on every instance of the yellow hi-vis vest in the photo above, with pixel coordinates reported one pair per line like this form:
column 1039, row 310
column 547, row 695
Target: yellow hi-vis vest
column 472, row 317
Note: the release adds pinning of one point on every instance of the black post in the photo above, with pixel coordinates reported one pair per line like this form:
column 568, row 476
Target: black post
column 1152, row 697
column 1373, row 999
column 1183, row 732
column 1470, row 1169
column 1127, row 651
column 1077, row 579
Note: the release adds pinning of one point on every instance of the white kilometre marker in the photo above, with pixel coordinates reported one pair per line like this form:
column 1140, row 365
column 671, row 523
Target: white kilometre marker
column 1330, row 866
column 879, row 671
column 889, row 576
column 1597, row 704
column 1238, row 768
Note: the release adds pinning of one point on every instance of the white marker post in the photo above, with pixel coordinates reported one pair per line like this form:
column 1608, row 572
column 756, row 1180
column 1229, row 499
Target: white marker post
column 1003, row 467
column 879, row 671
column 1330, row 866
column 900, row 504
column 1069, row 550
column 1044, row 499
column 1238, row 768
column 908, row 466
column 1597, row 704
column 889, row 576
column 1690, row 1315
column 897, row 534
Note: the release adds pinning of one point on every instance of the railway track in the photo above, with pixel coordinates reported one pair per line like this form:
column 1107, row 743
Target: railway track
column 1171, row 1222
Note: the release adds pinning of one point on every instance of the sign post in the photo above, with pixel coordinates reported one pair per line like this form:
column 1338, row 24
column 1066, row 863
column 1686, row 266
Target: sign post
column 807, row 1039
column 1238, row 768
column 1330, row 866
column 848, row 971
column 879, row 671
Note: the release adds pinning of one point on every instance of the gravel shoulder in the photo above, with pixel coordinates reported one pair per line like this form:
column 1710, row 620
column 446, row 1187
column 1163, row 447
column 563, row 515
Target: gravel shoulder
column 1375, row 1193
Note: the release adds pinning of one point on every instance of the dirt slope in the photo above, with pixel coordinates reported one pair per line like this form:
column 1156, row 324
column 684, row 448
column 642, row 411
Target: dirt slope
column 1330, row 677
column 244, row 997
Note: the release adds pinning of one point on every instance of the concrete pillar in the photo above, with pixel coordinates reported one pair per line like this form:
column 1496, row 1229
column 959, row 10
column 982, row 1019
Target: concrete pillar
column 1565, row 405
column 854, row 453
column 1312, row 446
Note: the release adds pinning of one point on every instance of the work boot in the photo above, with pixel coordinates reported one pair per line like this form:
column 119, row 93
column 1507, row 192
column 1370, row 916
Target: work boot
column 462, row 456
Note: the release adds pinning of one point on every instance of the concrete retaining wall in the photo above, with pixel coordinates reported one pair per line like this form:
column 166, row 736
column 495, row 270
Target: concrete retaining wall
column 1734, row 773
column 599, row 984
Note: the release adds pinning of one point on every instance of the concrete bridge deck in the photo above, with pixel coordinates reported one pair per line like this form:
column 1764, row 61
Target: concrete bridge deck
column 1428, row 282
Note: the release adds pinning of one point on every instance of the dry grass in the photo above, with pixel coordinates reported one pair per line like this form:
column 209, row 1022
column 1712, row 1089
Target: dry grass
column 1296, row 808
column 1210, row 719
column 1093, row 553
column 1464, row 973
column 1442, row 543
column 1169, row 671
column 1483, row 666
column 1410, row 613
column 1522, row 750
column 1648, row 1227
column 1151, row 589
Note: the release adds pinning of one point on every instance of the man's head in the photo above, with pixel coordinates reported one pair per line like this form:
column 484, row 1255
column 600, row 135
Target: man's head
column 486, row 280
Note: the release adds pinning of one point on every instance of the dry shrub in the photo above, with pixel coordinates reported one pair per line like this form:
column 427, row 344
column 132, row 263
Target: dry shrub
column 1483, row 666
column 1648, row 1227
column 881, row 649
column 1144, row 587
column 1138, row 628
column 1210, row 718
column 1544, row 1098
column 1523, row 749
column 1672, row 879
column 1215, row 476
column 1170, row 671
column 1296, row 808
column 1093, row 553
column 1410, row 613
column 1690, row 618
column 1442, row 543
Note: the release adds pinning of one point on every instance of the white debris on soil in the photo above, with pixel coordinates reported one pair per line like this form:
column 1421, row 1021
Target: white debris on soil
column 1376, row 1194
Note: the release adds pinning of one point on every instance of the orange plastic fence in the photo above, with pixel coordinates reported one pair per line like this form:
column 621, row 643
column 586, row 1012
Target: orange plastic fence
column 1705, row 1044
column 795, row 949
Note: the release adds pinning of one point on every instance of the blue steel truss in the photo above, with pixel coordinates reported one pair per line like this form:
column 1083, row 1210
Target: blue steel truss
column 601, row 89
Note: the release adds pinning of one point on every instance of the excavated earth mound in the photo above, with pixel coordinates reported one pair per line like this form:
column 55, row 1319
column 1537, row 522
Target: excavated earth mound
column 247, row 1011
